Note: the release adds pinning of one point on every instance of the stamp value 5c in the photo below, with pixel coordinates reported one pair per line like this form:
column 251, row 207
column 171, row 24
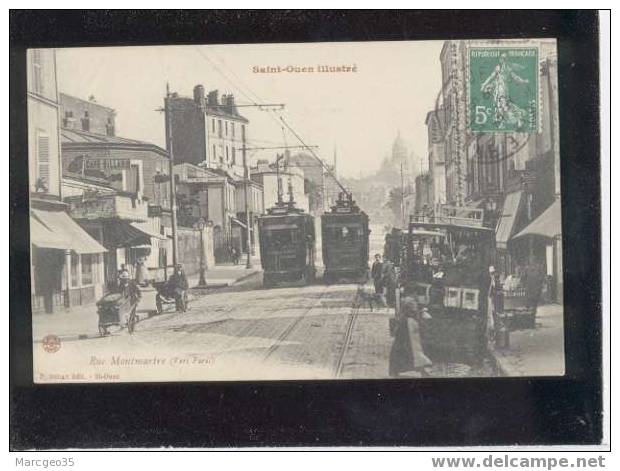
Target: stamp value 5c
column 503, row 89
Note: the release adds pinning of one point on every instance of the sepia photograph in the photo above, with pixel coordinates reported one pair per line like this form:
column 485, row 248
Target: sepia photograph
column 295, row 211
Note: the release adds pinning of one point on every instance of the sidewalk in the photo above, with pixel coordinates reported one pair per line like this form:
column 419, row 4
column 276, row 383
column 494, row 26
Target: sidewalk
column 536, row 352
column 82, row 321
column 227, row 274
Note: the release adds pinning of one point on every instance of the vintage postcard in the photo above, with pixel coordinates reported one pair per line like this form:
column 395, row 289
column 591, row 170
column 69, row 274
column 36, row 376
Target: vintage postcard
column 324, row 211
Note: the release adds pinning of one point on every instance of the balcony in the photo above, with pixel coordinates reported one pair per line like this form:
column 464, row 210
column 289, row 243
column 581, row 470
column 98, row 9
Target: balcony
column 107, row 206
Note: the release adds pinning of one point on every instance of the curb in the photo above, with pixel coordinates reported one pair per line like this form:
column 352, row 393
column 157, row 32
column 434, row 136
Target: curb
column 495, row 358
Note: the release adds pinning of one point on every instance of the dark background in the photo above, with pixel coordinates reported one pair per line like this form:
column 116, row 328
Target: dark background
column 501, row 411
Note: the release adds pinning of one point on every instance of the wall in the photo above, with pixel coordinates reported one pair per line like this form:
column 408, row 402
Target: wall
column 187, row 130
column 189, row 249
column 43, row 133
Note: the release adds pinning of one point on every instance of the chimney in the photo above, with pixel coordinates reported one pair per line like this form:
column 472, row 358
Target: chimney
column 213, row 98
column 199, row 97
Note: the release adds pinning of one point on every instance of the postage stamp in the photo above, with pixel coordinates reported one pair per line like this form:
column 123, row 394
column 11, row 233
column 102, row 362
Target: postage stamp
column 503, row 89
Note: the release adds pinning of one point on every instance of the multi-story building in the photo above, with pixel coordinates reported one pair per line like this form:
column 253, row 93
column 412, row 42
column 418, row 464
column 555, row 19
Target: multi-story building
column 134, row 223
column 267, row 175
column 207, row 130
column 436, row 125
column 213, row 195
column 513, row 176
column 66, row 262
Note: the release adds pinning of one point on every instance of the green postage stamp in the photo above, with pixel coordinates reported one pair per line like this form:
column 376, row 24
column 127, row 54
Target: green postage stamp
column 503, row 89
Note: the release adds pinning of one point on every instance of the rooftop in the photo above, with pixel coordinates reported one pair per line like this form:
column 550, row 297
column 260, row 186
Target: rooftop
column 77, row 137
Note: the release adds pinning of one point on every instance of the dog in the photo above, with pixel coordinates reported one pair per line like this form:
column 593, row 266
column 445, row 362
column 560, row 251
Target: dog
column 370, row 299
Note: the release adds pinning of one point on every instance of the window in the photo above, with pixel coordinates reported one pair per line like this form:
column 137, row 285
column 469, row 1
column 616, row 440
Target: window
column 226, row 127
column 43, row 162
column 219, row 128
column 234, row 157
column 213, row 125
column 214, row 157
column 37, row 72
column 88, row 261
column 227, row 154
column 232, row 129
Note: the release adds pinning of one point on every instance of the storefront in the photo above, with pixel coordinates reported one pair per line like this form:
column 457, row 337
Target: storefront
column 67, row 263
column 544, row 237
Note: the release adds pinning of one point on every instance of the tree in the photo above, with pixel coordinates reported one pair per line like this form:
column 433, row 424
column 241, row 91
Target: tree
column 395, row 202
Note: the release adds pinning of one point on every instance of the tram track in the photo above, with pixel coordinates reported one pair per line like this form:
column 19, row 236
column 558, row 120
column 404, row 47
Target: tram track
column 291, row 327
column 348, row 334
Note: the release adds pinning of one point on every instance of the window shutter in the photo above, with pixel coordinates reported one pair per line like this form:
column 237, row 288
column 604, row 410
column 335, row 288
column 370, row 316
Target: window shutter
column 43, row 159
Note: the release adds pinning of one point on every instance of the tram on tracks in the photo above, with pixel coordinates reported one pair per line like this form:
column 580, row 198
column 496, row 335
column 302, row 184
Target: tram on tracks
column 287, row 244
column 447, row 272
column 345, row 234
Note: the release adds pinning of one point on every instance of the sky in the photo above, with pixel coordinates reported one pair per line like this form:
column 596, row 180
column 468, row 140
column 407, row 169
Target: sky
column 358, row 113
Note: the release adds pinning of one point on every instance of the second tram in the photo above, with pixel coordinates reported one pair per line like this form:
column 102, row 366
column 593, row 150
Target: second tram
column 345, row 235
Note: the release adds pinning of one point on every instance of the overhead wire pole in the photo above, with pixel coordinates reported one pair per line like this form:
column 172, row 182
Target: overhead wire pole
column 246, row 178
column 173, row 199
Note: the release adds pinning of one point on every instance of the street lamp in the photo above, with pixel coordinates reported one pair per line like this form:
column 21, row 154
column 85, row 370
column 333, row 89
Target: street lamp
column 202, row 282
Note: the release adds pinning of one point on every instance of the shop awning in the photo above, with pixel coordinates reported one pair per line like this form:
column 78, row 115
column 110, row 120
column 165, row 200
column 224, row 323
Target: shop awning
column 506, row 223
column 121, row 233
column 144, row 228
column 548, row 224
column 43, row 238
column 65, row 229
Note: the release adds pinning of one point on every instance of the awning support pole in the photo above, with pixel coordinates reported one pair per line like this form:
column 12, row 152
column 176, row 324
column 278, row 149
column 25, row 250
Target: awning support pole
column 68, row 278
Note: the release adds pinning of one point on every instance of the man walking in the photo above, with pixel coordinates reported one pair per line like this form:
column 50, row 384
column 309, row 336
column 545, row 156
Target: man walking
column 376, row 272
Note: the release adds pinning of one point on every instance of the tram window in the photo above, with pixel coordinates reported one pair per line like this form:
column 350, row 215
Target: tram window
column 282, row 238
column 346, row 233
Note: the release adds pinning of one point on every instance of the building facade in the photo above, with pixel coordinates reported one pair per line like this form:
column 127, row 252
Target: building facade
column 207, row 130
column 66, row 262
column 513, row 176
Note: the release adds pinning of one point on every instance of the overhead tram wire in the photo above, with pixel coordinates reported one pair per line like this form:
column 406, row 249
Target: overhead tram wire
column 240, row 89
column 323, row 164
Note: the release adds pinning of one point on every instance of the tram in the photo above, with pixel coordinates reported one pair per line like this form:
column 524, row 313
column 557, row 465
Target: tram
column 345, row 235
column 447, row 272
column 287, row 244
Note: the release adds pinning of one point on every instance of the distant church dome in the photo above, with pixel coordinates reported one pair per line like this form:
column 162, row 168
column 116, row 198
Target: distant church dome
column 399, row 151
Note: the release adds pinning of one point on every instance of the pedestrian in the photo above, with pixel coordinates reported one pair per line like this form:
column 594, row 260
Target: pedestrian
column 493, row 303
column 389, row 280
column 376, row 272
column 142, row 272
column 123, row 278
column 407, row 355
column 533, row 283
column 235, row 255
column 179, row 285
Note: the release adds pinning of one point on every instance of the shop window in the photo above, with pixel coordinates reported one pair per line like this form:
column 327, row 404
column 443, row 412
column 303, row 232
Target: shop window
column 74, row 269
